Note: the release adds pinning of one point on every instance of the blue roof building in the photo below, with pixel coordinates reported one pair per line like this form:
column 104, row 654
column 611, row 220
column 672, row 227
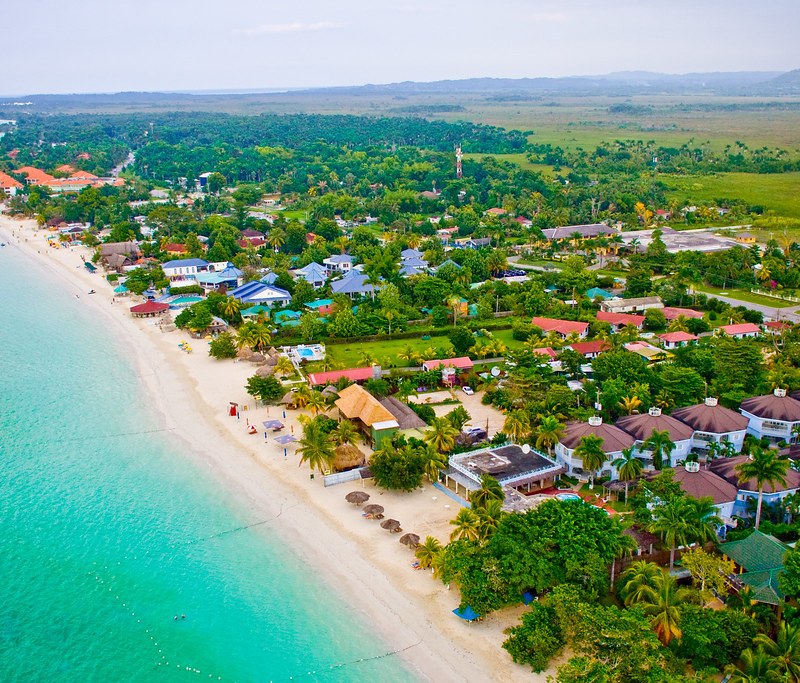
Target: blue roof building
column 594, row 292
column 230, row 278
column 353, row 284
column 410, row 253
column 261, row 293
column 315, row 274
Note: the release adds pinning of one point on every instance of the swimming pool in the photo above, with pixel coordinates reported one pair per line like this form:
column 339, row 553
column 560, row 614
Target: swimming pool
column 183, row 301
column 305, row 353
column 568, row 496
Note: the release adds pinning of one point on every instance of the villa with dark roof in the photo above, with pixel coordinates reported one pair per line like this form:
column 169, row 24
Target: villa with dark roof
column 713, row 423
column 727, row 469
column 775, row 416
column 614, row 442
column 641, row 428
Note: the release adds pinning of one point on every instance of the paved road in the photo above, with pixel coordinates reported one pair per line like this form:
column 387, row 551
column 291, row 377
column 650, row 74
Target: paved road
column 791, row 314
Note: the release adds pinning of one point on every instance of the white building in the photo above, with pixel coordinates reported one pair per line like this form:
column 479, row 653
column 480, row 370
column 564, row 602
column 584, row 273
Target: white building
column 614, row 442
column 641, row 428
column 712, row 422
column 775, row 416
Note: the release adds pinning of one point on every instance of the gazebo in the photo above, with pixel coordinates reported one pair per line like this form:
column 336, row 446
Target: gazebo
column 149, row 309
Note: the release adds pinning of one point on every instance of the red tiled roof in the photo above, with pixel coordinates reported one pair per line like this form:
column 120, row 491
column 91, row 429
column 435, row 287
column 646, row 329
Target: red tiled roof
column 460, row 363
column 620, row 318
column 36, row 175
column 614, row 439
column 674, row 337
column 741, row 328
column 83, row 175
column 175, row 248
column 672, row 313
column 7, row 182
column 497, row 212
column 773, row 407
column 564, row 327
column 333, row 376
column 585, row 348
column 777, row 325
column 149, row 307
column 66, row 168
column 84, row 156
column 547, row 351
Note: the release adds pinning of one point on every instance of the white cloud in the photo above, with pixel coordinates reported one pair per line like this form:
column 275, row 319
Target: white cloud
column 295, row 27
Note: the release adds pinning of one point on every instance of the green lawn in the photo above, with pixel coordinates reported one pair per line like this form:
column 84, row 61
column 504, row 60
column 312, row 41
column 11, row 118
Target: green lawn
column 385, row 352
column 746, row 295
column 520, row 160
column 776, row 192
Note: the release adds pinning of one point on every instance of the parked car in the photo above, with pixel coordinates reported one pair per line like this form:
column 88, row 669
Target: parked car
column 467, row 390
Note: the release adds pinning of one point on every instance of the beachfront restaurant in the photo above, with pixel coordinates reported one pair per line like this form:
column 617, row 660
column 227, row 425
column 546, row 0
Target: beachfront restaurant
column 519, row 467
column 372, row 419
column 149, row 309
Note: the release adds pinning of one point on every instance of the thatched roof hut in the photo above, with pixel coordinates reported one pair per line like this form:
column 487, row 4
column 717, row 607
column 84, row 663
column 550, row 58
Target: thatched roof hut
column 391, row 525
column 265, row 371
column 411, row 540
column 357, row 497
column 288, row 398
column 347, row 457
column 330, row 392
column 257, row 358
column 273, row 352
column 244, row 353
column 373, row 509
column 271, row 360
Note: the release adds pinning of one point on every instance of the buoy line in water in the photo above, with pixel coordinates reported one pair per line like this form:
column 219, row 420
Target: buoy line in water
column 354, row 662
column 241, row 528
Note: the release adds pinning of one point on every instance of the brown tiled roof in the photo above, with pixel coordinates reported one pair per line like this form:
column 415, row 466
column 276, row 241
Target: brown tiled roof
column 614, row 439
column 641, row 427
column 726, row 468
column 773, row 407
column 714, row 419
column 706, row 483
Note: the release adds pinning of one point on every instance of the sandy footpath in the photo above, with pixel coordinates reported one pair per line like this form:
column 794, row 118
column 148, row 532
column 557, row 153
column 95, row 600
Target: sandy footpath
column 363, row 563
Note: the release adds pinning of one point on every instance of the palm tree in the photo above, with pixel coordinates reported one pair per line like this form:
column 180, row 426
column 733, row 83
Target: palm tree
column 517, row 425
column 408, row 354
column 261, row 336
column 302, row 396
column 671, row 522
column 661, row 446
column 428, row 551
column 366, row 358
column 629, row 404
column 766, row 467
column 489, row 517
column 231, row 308
column 755, row 667
column 441, row 435
column 345, row 433
column 284, row 366
column 662, row 605
column 316, row 403
column 490, row 490
column 315, row 447
column 341, row 243
column 276, row 238
column 702, row 519
column 548, row 433
column 590, row 451
column 678, row 325
column 245, row 337
column 454, row 302
column 435, row 461
column 638, row 582
column 629, row 467
column 784, row 650
column 467, row 526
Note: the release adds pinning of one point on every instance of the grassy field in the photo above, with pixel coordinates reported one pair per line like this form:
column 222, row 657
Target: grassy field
column 746, row 295
column 384, row 352
column 779, row 193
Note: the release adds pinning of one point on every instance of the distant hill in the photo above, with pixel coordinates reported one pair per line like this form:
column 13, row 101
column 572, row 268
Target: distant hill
column 785, row 84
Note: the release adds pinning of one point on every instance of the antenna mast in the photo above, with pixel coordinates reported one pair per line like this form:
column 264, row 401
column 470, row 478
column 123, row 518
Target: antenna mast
column 459, row 156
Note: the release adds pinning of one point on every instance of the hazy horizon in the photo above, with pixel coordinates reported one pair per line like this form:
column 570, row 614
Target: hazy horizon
column 182, row 46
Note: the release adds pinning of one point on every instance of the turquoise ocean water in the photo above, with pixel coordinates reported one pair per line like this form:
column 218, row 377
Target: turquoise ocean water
column 107, row 532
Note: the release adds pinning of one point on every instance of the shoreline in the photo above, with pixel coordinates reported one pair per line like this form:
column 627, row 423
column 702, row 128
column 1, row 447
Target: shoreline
column 370, row 571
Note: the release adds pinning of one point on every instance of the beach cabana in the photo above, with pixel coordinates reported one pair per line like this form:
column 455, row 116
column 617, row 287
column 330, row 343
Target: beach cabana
column 149, row 309
column 411, row 540
column 391, row 525
column 121, row 290
column 347, row 457
column 357, row 497
column 466, row 613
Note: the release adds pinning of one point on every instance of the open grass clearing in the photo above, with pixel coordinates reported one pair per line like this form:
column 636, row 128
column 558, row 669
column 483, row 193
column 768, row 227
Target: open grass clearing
column 745, row 295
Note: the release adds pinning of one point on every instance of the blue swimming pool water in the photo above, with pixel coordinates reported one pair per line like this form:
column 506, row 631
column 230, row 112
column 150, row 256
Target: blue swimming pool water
column 568, row 496
column 185, row 300
column 306, row 353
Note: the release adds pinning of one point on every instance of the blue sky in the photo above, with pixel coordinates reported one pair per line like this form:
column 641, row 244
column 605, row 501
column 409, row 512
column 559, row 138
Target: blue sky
column 116, row 45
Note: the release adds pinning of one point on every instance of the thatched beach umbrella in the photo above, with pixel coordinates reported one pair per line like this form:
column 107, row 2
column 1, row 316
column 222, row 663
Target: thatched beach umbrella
column 244, row 353
column 373, row 509
column 265, row 371
column 357, row 497
column 288, row 398
column 272, row 360
column 272, row 351
column 330, row 392
column 257, row 358
column 346, row 457
column 411, row 540
column 391, row 525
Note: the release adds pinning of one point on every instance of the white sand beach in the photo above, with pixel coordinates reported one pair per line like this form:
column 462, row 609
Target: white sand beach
column 410, row 610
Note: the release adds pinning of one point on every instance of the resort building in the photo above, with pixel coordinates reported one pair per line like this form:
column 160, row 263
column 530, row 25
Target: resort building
column 338, row 263
column 319, row 379
column 641, row 428
column 652, row 354
column 727, row 468
column 586, row 231
column 373, row 420
column 257, row 292
column 596, row 292
column 410, row 424
column 589, row 349
column 354, row 284
column 712, row 422
column 9, row 185
column 614, row 442
column 741, row 330
column 411, row 254
column 673, row 313
column 149, row 309
column 315, row 274
column 118, row 256
column 775, row 416
column 701, row 482
column 620, row 320
column 563, row 328
column 631, row 305
column 184, row 269
column 229, row 278
column 758, row 559
column 674, row 340
column 518, row 467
